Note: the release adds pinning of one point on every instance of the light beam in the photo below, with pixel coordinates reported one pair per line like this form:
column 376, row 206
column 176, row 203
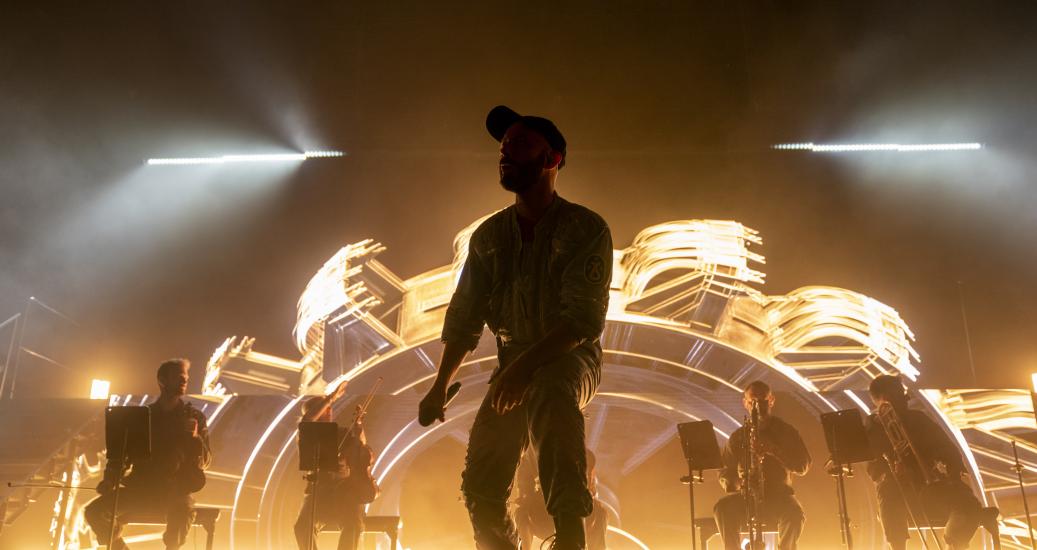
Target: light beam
column 225, row 159
column 870, row 147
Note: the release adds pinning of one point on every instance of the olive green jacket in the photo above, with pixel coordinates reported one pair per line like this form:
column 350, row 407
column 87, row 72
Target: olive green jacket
column 524, row 290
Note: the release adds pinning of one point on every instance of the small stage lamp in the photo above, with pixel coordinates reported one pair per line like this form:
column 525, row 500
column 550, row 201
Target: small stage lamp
column 99, row 389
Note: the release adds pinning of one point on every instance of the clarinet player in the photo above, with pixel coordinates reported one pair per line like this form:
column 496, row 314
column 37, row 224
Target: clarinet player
column 778, row 453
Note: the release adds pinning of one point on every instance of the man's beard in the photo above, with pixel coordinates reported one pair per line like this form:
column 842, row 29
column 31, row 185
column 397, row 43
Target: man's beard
column 521, row 177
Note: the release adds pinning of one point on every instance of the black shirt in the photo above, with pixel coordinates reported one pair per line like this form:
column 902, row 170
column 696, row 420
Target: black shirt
column 175, row 454
column 932, row 443
column 791, row 457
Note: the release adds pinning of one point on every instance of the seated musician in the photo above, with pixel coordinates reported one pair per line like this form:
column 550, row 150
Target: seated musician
column 783, row 454
column 939, row 493
column 340, row 495
column 161, row 485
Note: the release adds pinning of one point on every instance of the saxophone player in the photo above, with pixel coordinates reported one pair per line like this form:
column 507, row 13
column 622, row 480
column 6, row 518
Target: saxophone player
column 764, row 467
column 932, row 480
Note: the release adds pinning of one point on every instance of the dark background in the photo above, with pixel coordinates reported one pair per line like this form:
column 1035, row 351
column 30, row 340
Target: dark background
column 670, row 109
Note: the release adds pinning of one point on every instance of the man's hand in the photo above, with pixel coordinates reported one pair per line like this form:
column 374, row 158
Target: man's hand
column 433, row 405
column 339, row 392
column 509, row 388
column 765, row 447
column 106, row 486
column 191, row 427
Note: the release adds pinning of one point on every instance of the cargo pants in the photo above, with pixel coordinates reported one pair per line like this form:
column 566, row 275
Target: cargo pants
column 550, row 419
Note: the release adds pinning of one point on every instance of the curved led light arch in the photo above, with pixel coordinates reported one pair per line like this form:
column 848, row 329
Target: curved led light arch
column 693, row 278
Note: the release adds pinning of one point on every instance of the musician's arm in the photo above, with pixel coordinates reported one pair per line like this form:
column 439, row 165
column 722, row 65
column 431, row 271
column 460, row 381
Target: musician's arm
column 468, row 309
column 729, row 457
column 201, row 442
column 462, row 327
column 454, row 353
column 113, row 469
column 326, row 401
column 941, row 445
column 877, row 467
column 793, row 453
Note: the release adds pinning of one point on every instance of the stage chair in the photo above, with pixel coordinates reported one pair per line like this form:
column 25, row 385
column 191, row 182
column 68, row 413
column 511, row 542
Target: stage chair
column 390, row 525
column 707, row 528
column 989, row 523
column 204, row 517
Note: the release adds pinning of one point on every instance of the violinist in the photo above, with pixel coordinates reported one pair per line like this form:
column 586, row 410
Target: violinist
column 340, row 495
column 163, row 483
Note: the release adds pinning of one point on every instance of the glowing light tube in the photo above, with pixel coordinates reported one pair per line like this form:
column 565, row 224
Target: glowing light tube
column 224, row 159
column 865, row 147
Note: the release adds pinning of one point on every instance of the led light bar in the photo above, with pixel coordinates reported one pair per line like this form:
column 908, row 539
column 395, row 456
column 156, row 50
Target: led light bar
column 224, row 159
column 895, row 147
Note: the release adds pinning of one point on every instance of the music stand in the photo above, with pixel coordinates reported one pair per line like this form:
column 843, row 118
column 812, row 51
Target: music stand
column 318, row 452
column 127, row 437
column 699, row 443
column 847, row 442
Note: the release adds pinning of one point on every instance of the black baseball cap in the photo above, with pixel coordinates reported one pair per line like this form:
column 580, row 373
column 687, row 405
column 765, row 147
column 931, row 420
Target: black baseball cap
column 500, row 118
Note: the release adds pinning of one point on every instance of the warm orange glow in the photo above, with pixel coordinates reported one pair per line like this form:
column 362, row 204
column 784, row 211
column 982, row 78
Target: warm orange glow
column 99, row 389
column 692, row 277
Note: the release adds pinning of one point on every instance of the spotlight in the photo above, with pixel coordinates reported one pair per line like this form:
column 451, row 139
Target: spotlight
column 224, row 159
column 868, row 147
column 99, row 389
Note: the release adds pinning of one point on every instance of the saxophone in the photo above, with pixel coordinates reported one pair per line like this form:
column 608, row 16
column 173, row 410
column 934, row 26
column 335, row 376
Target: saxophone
column 905, row 453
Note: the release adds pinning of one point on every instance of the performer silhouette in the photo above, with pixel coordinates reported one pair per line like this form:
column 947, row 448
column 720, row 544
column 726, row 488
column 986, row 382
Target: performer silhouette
column 948, row 501
column 340, row 496
column 537, row 273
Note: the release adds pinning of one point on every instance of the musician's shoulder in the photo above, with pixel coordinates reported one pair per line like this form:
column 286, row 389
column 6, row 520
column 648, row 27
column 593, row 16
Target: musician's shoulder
column 582, row 213
column 782, row 424
column 578, row 221
column 493, row 225
column 916, row 416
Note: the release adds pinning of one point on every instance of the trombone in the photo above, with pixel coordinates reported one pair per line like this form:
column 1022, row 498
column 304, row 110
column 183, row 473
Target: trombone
column 905, row 456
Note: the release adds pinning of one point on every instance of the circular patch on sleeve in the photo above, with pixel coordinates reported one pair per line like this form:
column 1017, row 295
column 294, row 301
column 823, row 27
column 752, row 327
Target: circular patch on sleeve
column 594, row 269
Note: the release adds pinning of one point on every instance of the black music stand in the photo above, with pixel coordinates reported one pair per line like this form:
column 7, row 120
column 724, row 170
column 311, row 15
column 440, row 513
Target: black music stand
column 127, row 437
column 699, row 443
column 848, row 443
column 318, row 452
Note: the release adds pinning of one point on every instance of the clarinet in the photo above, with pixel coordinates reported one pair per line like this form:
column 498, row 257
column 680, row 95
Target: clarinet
column 752, row 484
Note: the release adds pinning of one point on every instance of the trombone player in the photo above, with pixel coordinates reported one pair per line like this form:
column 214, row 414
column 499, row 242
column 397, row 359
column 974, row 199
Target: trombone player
column 759, row 461
column 922, row 467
